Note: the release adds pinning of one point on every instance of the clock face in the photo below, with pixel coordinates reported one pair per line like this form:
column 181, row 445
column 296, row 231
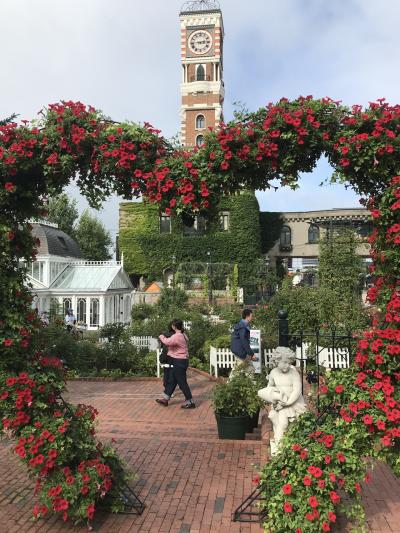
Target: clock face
column 200, row 42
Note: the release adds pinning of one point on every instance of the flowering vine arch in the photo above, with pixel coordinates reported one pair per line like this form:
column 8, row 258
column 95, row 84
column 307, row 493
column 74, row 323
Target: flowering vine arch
column 279, row 141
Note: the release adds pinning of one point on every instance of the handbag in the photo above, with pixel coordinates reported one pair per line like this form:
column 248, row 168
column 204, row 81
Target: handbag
column 163, row 357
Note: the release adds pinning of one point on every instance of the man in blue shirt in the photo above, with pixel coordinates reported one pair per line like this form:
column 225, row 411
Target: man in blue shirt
column 240, row 340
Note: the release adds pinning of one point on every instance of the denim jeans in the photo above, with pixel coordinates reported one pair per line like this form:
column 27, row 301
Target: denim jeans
column 177, row 377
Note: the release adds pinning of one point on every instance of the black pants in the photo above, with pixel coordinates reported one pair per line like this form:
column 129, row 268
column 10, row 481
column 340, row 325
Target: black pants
column 167, row 375
column 178, row 377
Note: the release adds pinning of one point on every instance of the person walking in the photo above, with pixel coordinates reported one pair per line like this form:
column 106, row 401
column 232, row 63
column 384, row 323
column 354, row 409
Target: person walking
column 240, row 342
column 70, row 320
column 179, row 355
column 165, row 360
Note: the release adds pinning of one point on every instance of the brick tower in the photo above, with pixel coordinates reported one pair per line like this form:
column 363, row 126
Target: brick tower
column 202, row 87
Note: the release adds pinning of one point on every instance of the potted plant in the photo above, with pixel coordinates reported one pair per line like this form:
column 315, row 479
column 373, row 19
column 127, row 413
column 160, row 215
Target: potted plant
column 235, row 401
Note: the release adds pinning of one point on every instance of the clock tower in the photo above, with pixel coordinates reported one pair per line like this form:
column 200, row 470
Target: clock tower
column 202, row 87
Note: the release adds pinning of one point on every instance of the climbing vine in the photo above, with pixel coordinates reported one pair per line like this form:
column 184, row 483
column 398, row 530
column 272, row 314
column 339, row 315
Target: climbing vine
column 72, row 141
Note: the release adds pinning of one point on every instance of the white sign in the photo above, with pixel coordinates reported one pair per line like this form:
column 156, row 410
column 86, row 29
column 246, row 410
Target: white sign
column 255, row 345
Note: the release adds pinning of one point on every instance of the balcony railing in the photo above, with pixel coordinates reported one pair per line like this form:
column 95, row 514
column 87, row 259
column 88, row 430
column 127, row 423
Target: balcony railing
column 285, row 247
column 205, row 78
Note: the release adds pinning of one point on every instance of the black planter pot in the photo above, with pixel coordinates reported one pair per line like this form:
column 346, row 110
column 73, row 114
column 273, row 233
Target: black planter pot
column 232, row 427
column 253, row 421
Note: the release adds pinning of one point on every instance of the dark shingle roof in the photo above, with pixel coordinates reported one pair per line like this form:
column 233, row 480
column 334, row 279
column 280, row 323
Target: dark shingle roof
column 53, row 241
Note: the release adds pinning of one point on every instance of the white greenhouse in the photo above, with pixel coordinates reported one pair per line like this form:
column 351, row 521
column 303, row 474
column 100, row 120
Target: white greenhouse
column 99, row 292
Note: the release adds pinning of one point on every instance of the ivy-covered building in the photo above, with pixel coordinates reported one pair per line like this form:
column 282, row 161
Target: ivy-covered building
column 157, row 246
column 238, row 239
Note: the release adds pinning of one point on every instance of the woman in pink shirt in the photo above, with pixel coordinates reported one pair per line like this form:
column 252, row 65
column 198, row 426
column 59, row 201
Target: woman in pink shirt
column 179, row 353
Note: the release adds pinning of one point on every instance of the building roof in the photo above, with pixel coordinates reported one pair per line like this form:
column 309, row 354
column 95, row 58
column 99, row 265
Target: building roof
column 86, row 277
column 53, row 241
column 200, row 6
column 155, row 287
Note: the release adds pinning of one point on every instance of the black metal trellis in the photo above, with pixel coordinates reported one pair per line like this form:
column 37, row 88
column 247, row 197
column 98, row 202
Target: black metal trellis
column 250, row 509
column 132, row 503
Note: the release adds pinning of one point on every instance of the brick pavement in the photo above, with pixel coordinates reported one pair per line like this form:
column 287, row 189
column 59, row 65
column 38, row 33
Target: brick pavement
column 189, row 480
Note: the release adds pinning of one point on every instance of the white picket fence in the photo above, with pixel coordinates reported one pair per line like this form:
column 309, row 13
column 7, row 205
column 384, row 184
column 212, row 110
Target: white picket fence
column 328, row 357
column 150, row 343
column 224, row 358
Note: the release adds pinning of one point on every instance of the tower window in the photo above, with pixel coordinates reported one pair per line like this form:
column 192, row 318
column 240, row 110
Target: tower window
column 199, row 141
column 313, row 234
column 165, row 224
column 200, row 73
column 200, row 122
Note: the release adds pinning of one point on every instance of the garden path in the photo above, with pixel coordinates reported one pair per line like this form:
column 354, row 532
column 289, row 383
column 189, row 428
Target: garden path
column 190, row 481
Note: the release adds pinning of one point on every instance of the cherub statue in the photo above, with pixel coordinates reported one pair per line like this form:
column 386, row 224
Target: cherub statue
column 283, row 392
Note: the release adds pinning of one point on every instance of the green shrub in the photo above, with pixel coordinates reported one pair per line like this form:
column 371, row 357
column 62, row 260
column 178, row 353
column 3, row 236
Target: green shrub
column 236, row 397
column 172, row 299
column 142, row 311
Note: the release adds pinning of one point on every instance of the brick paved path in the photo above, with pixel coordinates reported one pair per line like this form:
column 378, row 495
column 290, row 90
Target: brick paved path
column 190, row 481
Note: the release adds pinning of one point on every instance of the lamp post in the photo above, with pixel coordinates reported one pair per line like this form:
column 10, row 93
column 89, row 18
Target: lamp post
column 173, row 270
column 209, row 273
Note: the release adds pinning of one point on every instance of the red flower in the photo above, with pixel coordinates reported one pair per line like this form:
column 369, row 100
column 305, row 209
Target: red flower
column 326, row 526
column 52, row 159
column 256, row 480
column 312, row 500
column 334, row 496
column 367, row 419
column 386, row 440
column 303, row 454
column 8, row 342
column 287, row 489
column 60, row 504
column 287, row 507
column 90, row 511
column 339, row 389
column 307, row 481
column 315, row 471
column 341, row 457
column 332, row 517
column 10, row 187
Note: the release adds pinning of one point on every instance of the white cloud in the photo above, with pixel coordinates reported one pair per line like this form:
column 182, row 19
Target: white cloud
column 123, row 57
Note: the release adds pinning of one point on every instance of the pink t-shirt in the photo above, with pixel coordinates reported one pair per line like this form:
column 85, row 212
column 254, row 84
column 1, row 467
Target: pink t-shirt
column 177, row 345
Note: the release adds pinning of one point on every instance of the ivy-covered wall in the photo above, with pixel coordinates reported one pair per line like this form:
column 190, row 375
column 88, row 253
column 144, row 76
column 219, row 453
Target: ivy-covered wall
column 149, row 252
column 270, row 227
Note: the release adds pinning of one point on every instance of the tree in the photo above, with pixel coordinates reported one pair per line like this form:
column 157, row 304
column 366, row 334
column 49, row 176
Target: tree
column 63, row 212
column 7, row 120
column 339, row 265
column 93, row 238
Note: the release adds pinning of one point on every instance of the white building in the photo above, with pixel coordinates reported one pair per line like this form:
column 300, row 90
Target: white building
column 99, row 292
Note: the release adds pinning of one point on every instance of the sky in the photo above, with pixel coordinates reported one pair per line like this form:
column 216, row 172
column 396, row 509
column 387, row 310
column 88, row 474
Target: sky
column 123, row 57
